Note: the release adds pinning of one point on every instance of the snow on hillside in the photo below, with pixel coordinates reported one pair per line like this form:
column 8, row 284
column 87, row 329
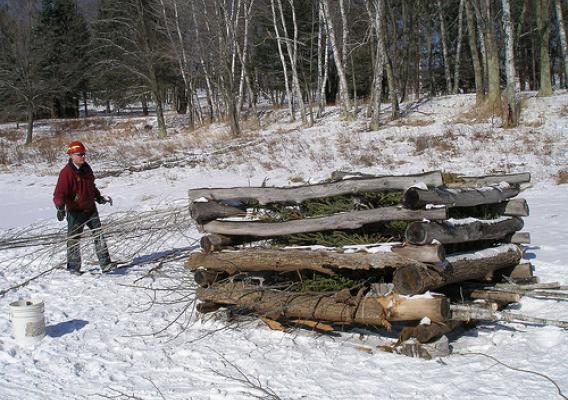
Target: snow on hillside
column 134, row 332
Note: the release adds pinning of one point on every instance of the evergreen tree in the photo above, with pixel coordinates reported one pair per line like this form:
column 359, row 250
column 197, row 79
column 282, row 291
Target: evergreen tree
column 64, row 37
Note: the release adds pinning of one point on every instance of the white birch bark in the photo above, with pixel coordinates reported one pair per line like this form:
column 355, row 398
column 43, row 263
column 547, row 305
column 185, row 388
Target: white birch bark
column 458, row 48
column 292, row 50
column 213, row 107
column 379, row 64
column 343, row 88
column 513, row 87
column 447, row 73
column 283, row 61
column 322, row 52
column 563, row 42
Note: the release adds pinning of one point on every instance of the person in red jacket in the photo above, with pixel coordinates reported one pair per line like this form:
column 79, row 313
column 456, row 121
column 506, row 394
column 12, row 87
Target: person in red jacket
column 75, row 196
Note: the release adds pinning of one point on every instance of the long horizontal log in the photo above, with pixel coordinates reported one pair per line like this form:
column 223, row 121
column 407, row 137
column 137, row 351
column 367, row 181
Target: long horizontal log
column 210, row 210
column 415, row 197
column 431, row 253
column 298, row 194
column 514, row 207
column 489, row 180
column 367, row 311
column 414, row 280
column 459, row 231
column 326, row 262
column 348, row 220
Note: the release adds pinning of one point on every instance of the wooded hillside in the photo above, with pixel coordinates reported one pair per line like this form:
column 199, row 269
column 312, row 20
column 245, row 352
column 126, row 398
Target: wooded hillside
column 224, row 60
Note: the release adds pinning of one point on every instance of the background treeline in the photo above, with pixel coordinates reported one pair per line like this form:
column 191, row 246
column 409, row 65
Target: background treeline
column 224, row 60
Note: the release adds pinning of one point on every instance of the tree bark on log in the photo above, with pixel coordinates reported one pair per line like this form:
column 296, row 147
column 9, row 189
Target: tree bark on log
column 298, row 194
column 348, row 220
column 514, row 208
column 495, row 295
column 367, row 311
column 459, row 231
column 432, row 253
column 210, row 210
column 326, row 262
column 412, row 280
column 415, row 197
column 489, row 180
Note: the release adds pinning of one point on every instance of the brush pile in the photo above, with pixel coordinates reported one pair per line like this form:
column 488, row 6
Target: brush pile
column 361, row 249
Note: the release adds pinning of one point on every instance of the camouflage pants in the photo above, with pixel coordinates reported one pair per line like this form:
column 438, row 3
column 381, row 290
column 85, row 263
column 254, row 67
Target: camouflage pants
column 76, row 222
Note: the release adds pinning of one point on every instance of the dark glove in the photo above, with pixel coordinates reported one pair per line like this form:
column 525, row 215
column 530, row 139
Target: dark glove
column 61, row 214
column 104, row 200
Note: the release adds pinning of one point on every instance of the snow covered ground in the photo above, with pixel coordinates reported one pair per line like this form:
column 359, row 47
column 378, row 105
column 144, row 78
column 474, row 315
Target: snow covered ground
column 131, row 333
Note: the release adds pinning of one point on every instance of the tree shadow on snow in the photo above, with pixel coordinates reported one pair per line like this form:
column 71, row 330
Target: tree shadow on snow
column 63, row 328
column 170, row 254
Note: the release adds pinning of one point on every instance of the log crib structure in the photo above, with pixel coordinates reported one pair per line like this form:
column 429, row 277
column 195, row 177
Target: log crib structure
column 367, row 250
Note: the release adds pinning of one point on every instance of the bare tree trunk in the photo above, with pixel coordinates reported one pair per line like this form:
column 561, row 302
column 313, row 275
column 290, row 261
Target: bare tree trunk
column 458, row 48
column 283, row 62
column 293, row 57
column 213, row 107
column 493, row 79
column 447, row 73
column 563, row 43
column 343, row 87
column 30, row 124
column 322, row 63
column 543, row 26
column 180, row 54
column 512, row 114
column 479, row 93
column 377, row 18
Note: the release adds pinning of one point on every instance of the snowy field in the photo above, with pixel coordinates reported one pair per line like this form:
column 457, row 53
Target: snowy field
column 134, row 334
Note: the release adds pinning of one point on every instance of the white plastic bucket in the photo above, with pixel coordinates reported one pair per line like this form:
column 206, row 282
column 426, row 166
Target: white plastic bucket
column 28, row 322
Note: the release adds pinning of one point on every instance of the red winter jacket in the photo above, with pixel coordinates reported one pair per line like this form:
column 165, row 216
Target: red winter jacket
column 76, row 188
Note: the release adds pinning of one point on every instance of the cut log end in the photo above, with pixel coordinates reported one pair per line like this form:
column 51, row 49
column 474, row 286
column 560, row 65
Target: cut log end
column 416, row 234
column 410, row 280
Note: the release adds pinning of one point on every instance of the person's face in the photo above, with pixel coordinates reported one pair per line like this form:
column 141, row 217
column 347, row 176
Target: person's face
column 78, row 158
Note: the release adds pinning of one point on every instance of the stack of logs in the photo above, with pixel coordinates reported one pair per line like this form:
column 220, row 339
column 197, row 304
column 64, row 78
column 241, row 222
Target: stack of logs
column 394, row 281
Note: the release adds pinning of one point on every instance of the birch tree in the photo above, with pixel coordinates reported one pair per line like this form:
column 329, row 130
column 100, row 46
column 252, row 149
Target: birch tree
column 377, row 89
column 343, row 87
column 563, row 43
column 512, row 112
column 292, row 50
column 283, row 62
column 323, row 58
column 458, row 48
